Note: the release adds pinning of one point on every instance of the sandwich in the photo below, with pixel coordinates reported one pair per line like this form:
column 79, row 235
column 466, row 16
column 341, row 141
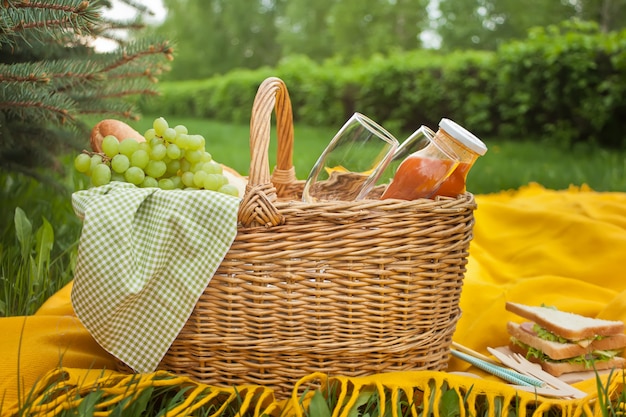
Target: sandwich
column 564, row 342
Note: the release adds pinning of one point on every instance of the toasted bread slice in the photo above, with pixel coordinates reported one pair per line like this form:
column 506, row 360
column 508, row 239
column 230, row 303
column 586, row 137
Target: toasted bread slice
column 568, row 325
column 560, row 368
column 557, row 351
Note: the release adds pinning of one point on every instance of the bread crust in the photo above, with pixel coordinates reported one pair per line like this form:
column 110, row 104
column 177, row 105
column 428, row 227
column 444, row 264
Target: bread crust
column 113, row 127
column 556, row 350
column 568, row 325
column 560, row 368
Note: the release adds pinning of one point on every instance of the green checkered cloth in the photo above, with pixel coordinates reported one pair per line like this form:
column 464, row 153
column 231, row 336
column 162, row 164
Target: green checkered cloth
column 144, row 258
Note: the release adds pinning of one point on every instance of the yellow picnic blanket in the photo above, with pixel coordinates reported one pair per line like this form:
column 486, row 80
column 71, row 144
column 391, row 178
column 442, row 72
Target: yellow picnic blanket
column 532, row 245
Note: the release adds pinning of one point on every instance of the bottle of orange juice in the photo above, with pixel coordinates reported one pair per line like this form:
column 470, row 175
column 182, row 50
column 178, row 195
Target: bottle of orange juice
column 440, row 167
column 466, row 146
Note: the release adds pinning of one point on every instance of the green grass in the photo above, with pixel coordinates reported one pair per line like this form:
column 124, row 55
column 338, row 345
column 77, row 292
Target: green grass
column 509, row 165
column 38, row 238
column 506, row 165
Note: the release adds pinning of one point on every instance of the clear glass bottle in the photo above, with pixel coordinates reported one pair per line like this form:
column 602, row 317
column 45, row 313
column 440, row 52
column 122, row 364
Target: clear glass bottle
column 423, row 166
column 466, row 146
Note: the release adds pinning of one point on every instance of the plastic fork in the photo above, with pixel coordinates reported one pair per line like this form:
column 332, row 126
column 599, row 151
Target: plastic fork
column 522, row 365
column 506, row 374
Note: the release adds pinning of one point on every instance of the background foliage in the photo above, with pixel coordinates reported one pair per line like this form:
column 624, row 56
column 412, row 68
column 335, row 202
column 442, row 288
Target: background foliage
column 564, row 83
column 216, row 36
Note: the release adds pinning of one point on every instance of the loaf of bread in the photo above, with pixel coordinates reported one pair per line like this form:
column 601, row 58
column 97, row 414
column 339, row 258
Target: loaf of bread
column 113, row 127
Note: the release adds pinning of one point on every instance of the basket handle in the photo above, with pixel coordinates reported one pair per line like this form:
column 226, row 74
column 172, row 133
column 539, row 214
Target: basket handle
column 262, row 191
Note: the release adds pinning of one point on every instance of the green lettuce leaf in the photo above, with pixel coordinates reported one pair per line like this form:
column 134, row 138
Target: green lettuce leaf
column 587, row 359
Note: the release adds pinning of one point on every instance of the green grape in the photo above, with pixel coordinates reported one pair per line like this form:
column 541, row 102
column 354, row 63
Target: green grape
column 195, row 167
column 212, row 167
column 159, row 126
column 223, row 179
column 199, row 178
column 94, row 162
column 116, row 176
column 110, row 146
column 185, row 165
column 82, row 162
column 173, row 167
column 158, row 151
column 170, row 134
column 156, row 169
column 193, row 156
column 195, row 142
column 149, row 135
column 229, row 189
column 156, row 141
column 181, row 129
column 177, row 181
column 173, row 151
column 187, row 179
column 206, row 157
column 212, row 181
column 140, row 159
column 182, row 140
column 120, row 163
column 144, row 146
column 134, row 175
column 101, row 175
column 149, row 182
column 166, row 184
column 128, row 146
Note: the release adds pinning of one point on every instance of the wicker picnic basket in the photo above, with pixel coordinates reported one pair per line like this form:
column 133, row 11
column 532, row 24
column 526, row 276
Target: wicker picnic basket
column 346, row 288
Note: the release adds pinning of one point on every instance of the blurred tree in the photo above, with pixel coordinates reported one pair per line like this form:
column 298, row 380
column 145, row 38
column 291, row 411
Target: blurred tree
column 303, row 29
column 609, row 14
column 216, row 36
column 51, row 76
column 484, row 24
column 360, row 28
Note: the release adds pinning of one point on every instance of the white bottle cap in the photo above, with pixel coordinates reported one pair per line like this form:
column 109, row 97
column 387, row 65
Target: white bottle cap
column 463, row 135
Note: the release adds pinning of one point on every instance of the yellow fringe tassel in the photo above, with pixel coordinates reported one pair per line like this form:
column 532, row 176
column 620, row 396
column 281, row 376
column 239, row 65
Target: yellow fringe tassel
column 101, row 393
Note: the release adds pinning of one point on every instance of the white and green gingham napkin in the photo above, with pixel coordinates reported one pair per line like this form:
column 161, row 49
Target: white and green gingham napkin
column 145, row 256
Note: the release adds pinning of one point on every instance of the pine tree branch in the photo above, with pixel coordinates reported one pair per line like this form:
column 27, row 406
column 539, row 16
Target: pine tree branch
column 121, row 114
column 17, row 107
column 108, row 24
column 112, row 107
column 83, row 5
column 125, row 57
column 20, row 17
column 51, row 77
column 21, row 102
column 127, row 93
column 29, row 78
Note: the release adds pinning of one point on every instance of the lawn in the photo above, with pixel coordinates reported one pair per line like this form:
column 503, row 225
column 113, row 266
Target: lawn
column 506, row 165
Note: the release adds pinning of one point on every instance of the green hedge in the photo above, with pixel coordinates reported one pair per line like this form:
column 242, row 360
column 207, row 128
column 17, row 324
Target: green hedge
column 564, row 83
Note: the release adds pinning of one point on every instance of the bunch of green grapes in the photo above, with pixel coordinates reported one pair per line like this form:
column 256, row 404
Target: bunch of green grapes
column 170, row 158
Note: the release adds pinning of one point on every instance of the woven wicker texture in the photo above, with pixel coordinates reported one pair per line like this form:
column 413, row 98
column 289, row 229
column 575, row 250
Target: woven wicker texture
column 346, row 288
